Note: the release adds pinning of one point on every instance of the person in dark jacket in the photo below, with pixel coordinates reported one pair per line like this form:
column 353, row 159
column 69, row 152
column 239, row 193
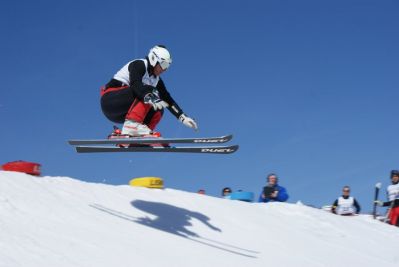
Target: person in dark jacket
column 272, row 191
column 345, row 204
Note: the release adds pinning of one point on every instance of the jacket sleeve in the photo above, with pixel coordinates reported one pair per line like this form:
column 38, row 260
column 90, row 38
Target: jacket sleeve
column 334, row 206
column 357, row 206
column 389, row 203
column 260, row 199
column 165, row 96
column 386, row 204
column 282, row 195
column 136, row 73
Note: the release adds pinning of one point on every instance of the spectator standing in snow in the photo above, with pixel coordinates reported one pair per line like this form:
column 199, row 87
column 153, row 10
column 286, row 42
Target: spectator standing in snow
column 226, row 192
column 272, row 191
column 393, row 199
column 345, row 204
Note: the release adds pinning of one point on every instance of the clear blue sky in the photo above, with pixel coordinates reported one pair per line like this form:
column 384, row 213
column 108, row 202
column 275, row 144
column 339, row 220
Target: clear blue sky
column 308, row 88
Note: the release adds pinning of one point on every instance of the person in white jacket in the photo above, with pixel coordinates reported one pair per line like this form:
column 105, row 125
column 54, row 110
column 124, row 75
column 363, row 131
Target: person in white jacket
column 345, row 204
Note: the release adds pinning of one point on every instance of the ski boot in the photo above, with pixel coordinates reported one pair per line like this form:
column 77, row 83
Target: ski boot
column 117, row 134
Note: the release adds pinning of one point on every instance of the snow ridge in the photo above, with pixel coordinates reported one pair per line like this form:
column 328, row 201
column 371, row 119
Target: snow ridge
column 60, row 221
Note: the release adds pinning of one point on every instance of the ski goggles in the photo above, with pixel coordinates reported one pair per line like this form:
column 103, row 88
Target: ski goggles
column 164, row 63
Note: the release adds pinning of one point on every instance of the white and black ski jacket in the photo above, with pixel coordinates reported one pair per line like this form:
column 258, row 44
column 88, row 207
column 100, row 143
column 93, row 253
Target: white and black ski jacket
column 138, row 75
column 345, row 205
column 393, row 196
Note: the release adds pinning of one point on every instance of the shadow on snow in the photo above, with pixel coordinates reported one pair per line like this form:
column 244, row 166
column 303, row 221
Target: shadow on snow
column 174, row 220
column 170, row 218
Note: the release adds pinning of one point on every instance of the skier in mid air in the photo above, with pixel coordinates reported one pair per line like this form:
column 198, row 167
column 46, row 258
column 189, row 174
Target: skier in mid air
column 136, row 96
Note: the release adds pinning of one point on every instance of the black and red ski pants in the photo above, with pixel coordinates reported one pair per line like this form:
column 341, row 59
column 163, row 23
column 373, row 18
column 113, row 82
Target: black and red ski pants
column 119, row 104
column 394, row 216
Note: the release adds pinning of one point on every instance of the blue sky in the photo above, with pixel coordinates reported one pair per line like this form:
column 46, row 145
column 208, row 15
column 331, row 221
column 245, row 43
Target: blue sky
column 308, row 88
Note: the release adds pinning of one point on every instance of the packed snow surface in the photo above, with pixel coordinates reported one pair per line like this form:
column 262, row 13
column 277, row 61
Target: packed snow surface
column 60, row 221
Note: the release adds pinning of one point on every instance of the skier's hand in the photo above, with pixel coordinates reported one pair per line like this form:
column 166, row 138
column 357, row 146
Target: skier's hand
column 379, row 203
column 155, row 101
column 274, row 194
column 189, row 122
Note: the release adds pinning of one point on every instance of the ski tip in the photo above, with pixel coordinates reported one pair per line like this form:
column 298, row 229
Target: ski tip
column 224, row 138
column 229, row 136
column 235, row 147
column 220, row 150
column 231, row 149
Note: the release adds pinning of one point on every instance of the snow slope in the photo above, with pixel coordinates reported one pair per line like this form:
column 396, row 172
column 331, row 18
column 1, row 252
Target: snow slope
column 60, row 221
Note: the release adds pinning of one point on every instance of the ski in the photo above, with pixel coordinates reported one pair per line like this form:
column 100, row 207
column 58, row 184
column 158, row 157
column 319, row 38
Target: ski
column 197, row 149
column 160, row 140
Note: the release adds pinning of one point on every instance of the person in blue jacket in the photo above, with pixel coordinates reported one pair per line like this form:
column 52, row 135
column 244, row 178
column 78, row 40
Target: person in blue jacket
column 272, row 191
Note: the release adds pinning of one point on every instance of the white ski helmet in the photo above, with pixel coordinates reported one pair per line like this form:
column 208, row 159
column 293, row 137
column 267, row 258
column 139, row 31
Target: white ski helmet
column 159, row 54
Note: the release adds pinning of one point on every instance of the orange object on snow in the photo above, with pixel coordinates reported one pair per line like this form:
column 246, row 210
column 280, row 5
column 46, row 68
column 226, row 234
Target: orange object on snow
column 22, row 166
